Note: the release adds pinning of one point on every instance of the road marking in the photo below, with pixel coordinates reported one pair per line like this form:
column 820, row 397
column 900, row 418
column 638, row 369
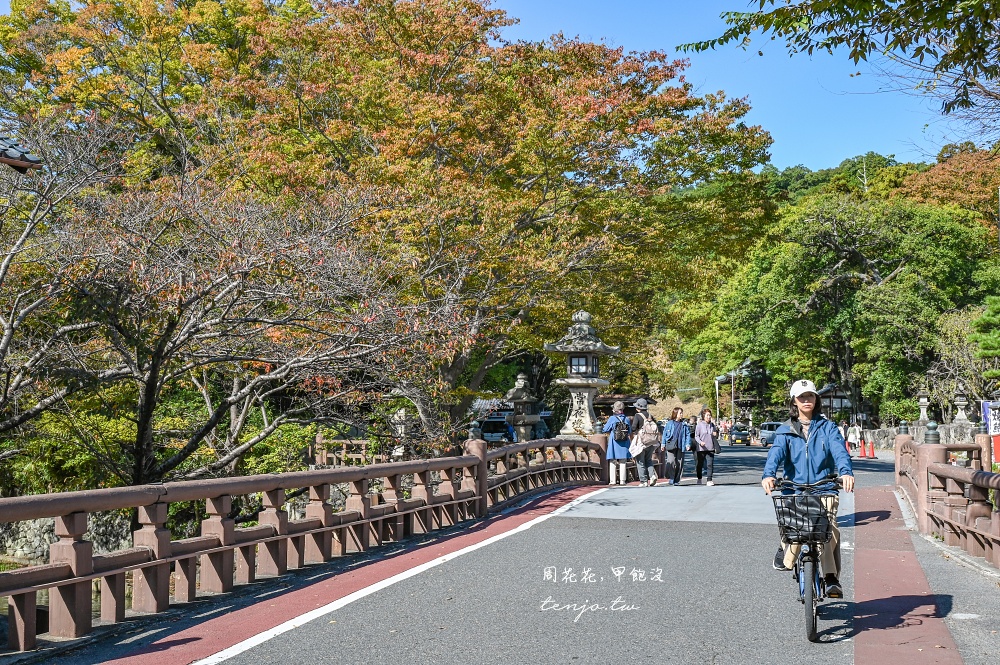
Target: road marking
column 303, row 619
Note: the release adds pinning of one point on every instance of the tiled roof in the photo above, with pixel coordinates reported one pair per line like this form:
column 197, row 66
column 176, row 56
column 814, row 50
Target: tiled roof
column 17, row 157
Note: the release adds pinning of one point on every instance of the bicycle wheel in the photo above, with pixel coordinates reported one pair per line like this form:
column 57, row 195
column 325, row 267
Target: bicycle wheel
column 809, row 597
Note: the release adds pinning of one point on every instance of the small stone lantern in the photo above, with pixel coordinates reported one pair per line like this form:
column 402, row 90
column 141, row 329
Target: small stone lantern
column 525, row 412
column 583, row 350
column 923, row 400
column 961, row 401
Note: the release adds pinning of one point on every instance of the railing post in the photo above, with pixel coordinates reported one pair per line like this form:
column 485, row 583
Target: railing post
column 319, row 545
column 477, row 447
column 602, row 442
column 22, row 622
column 360, row 501
column 69, row 604
column 273, row 555
column 217, row 569
column 151, row 584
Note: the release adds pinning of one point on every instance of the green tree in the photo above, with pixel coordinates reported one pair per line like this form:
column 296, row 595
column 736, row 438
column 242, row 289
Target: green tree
column 952, row 43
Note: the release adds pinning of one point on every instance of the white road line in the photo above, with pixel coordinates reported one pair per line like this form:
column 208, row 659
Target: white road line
column 303, row 619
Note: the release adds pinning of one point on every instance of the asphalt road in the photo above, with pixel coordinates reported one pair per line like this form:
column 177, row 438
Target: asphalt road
column 570, row 590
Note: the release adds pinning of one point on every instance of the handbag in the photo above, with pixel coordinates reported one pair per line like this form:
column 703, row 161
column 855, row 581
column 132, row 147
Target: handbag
column 636, row 447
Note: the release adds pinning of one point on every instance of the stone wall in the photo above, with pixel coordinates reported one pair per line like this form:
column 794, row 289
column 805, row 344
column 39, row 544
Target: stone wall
column 954, row 433
column 28, row 542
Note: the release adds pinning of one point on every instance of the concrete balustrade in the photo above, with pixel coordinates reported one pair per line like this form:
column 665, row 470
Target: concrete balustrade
column 951, row 502
column 224, row 555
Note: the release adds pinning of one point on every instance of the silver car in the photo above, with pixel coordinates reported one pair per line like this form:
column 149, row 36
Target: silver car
column 767, row 431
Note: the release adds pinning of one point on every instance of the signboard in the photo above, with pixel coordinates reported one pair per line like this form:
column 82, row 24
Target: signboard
column 991, row 416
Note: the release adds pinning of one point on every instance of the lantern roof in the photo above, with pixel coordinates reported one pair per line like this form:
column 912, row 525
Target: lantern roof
column 17, row 157
column 582, row 338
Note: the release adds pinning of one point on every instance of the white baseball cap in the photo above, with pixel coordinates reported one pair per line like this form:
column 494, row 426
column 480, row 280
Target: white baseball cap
column 802, row 387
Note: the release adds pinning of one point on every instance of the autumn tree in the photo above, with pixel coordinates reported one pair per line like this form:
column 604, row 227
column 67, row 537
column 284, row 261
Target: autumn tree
column 35, row 334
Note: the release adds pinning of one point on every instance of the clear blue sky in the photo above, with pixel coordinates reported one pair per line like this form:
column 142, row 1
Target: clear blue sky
column 817, row 113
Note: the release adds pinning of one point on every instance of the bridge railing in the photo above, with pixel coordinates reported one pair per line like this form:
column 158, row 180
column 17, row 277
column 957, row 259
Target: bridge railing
column 952, row 502
column 380, row 507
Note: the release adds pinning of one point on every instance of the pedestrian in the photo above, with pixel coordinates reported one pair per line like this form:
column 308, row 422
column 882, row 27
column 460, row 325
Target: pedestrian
column 809, row 449
column 647, row 433
column 853, row 436
column 619, row 431
column 676, row 437
column 706, row 437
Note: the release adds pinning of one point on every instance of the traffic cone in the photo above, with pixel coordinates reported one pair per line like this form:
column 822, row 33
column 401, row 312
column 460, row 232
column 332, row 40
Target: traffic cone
column 862, row 446
column 871, row 449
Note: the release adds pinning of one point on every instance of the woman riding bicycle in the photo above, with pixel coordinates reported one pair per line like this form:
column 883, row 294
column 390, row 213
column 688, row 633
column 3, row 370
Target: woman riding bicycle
column 810, row 449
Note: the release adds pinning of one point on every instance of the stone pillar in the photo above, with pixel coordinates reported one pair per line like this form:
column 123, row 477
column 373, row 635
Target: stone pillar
column 217, row 569
column 273, row 555
column 69, row 604
column 477, row 447
column 151, row 584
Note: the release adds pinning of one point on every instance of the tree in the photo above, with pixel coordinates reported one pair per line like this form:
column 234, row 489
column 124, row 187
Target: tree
column 34, row 333
column 966, row 178
column 955, row 45
column 842, row 291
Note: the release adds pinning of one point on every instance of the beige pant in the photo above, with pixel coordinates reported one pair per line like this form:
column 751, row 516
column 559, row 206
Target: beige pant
column 829, row 554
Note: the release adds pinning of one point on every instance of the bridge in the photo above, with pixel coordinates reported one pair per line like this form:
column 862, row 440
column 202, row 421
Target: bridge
column 519, row 554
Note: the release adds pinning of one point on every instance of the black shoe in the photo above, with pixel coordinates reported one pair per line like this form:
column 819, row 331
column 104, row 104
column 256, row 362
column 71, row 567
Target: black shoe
column 779, row 560
column 833, row 588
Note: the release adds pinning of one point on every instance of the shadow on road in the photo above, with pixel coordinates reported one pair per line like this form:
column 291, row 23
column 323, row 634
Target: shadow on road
column 881, row 614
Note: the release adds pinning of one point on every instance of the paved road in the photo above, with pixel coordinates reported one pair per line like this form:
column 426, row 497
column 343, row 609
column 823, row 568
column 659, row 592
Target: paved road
column 662, row 574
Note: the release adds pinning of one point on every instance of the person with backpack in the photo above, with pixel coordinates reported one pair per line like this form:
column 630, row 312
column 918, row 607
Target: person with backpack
column 647, row 435
column 619, row 431
column 676, row 437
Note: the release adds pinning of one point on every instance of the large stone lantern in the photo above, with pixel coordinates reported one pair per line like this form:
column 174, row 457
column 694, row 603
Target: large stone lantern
column 525, row 408
column 583, row 351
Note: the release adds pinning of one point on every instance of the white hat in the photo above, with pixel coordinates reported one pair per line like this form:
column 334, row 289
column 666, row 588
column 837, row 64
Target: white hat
column 802, row 387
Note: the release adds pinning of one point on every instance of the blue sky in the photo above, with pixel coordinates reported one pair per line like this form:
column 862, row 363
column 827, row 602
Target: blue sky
column 817, row 113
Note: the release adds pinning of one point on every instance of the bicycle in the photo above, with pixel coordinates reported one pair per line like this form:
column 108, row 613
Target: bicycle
column 804, row 520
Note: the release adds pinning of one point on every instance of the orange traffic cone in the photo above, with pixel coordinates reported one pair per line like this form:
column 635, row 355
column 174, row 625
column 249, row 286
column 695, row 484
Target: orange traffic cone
column 862, row 446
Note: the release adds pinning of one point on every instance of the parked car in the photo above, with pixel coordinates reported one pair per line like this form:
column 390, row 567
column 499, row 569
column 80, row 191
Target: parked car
column 497, row 430
column 739, row 434
column 767, row 431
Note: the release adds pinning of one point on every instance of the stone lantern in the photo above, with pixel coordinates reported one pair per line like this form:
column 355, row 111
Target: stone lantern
column 923, row 400
column 525, row 408
column 583, row 351
column 961, row 401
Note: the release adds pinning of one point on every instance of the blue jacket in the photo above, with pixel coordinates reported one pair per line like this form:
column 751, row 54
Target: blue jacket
column 808, row 461
column 618, row 450
column 675, row 435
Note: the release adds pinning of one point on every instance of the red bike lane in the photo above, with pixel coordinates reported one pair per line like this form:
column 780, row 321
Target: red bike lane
column 896, row 617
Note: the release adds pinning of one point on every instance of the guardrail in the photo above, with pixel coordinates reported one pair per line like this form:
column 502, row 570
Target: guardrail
column 225, row 555
column 951, row 502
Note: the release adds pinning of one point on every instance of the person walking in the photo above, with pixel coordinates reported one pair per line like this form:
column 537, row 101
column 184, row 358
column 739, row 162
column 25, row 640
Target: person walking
column 706, row 436
column 619, row 431
column 853, row 437
column 676, row 438
column 647, row 432
column 809, row 449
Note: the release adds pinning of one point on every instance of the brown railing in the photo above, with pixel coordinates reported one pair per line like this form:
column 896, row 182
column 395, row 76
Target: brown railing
column 951, row 502
column 225, row 555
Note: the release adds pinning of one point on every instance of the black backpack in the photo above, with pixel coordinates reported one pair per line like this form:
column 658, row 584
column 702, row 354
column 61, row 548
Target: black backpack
column 621, row 430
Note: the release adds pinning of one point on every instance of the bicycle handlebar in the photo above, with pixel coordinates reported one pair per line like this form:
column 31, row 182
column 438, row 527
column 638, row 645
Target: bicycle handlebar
column 827, row 483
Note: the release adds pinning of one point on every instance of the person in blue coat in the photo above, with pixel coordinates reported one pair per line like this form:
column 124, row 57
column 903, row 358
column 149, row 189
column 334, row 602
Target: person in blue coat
column 809, row 448
column 618, row 449
column 674, row 442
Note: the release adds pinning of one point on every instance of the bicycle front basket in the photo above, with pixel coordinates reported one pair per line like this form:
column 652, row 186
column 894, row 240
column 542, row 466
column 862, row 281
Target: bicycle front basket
column 802, row 518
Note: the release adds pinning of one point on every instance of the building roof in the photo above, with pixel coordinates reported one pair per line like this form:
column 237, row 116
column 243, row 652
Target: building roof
column 16, row 156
